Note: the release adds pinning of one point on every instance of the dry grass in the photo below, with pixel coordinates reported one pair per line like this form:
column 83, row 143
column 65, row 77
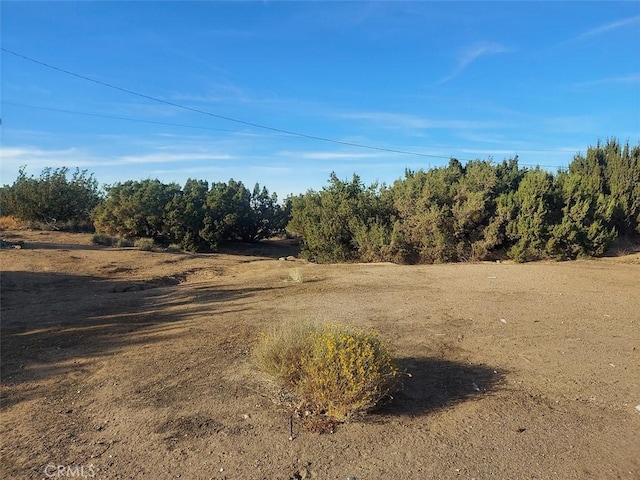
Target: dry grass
column 145, row 244
column 104, row 239
column 297, row 275
column 10, row 223
column 334, row 371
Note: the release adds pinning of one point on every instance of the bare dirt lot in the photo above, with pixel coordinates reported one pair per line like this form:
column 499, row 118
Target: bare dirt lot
column 122, row 364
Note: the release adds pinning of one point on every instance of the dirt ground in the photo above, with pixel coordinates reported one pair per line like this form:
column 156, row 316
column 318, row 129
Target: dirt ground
column 124, row 364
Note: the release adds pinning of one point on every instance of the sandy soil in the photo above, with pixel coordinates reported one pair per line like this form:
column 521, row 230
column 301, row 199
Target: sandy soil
column 123, row 364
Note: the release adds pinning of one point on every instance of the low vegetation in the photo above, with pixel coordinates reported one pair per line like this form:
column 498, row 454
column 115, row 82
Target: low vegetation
column 335, row 372
column 109, row 241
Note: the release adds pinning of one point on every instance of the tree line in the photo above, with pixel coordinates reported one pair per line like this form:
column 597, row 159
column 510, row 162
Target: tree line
column 477, row 211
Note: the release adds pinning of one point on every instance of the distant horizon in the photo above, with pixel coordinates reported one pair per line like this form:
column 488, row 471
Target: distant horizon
column 283, row 94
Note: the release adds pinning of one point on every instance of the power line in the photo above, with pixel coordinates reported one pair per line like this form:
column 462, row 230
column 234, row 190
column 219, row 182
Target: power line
column 222, row 117
column 215, row 115
column 115, row 117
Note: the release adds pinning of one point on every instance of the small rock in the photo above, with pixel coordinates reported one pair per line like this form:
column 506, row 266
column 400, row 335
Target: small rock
column 503, row 320
column 638, row 408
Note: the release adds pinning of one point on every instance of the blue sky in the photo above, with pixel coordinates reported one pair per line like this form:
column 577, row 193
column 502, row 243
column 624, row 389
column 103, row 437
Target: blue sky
column 543, row 80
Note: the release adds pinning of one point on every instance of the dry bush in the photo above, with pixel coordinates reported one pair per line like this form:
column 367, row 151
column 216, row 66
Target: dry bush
column 280, row 351
column 297, row 275
column 10, row 222
column 145, row 244
column 109, row 241
column 333, row 371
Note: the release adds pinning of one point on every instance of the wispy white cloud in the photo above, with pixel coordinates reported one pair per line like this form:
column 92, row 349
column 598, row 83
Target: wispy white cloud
column 471, row 54
column 626, row 22
column 33, row 157
column 215, row 93
column 326, row 155
column 629, row 79
column 391, row 120
column 169, row 157
column 602, row 29
column 36, row 158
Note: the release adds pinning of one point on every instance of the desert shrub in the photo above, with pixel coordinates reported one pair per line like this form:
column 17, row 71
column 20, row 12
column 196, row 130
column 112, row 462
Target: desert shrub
column 145, row 244
column 346, row 371
column 344, row 221
column 279, row 352
column 54, row 199
column 335, row 371
column 9, row 222
column 102, row 239
column 135, row 209
column 109, row 241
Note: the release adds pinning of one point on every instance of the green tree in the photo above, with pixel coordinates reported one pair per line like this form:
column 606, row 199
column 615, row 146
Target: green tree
column 184, row 216
column 228, row 213
column 344, row 221
column 538, row 206
column 52, row 198
column 135, row 209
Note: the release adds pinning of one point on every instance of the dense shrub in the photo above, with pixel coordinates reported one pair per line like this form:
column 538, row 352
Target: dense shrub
column 342, row 222
column 52, row 200
column 196, row 217
column 477, row 211
column 135, row 209
column 334, row 371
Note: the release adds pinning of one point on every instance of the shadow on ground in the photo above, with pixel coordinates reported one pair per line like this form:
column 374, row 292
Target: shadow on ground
column 433, row 384
column 53, row 322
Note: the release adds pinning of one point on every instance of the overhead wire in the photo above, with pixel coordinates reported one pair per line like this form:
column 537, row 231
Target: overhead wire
column 129, row 119
column 214, row 115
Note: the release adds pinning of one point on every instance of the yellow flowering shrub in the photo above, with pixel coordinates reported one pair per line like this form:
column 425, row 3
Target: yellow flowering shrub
column 334, row 370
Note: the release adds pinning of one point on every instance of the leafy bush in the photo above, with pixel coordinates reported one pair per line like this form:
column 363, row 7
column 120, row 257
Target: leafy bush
column 196, row 217
column 335, row 371
column 135, row 209
column 53, row 200
column 345, row 221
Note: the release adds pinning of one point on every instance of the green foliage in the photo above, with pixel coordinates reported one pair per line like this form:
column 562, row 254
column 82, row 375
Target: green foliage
column 343, row 222
column 144, row 244
column 235, row 213
column 196, row 217
column 185, row 214
column 333, row 370
column 53, row 198
column 477, row 211
column 537, row 203
column 135, row 209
